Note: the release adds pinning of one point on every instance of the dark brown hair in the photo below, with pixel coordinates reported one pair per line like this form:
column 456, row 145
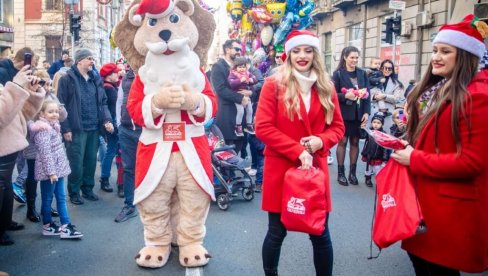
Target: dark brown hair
column 344, row 54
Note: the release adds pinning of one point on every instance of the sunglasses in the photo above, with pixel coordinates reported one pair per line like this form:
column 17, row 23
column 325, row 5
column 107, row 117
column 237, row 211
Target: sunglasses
column 387, row 68
column 278, row 57
column 237, row 49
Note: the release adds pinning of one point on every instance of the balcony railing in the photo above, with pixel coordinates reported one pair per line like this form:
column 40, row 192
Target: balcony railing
column 341, row 4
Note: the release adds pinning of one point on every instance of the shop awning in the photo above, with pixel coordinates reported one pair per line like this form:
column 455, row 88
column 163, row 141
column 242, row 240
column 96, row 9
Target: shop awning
column 4, row 29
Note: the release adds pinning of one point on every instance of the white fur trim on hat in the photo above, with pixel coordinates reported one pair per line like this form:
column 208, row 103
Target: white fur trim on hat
column 461, row 41
column 301, row 40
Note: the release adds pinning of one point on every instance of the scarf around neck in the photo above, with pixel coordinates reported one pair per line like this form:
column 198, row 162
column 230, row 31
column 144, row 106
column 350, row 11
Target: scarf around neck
column 426, row 100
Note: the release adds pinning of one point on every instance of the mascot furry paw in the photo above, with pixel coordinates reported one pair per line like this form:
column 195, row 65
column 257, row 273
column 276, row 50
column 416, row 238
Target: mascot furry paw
column 166, row 42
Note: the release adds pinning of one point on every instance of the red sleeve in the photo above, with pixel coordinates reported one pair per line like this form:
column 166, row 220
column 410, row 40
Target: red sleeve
column 335, row 131
column 134, row 101
column 266, row 117
column 473, row 158
column 208, row 91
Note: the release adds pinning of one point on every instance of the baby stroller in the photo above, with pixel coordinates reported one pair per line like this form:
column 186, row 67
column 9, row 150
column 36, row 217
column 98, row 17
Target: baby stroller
column 230, row 176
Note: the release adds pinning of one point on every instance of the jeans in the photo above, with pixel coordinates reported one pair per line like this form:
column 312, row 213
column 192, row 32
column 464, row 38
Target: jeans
column 128, row 140
column 112, row 148
column 426, row 268
column 322, row 248
column 21, row 170
column 82, row 156
column 49, row 189
column 102, row 148
column 257, row 148
column 7, row 164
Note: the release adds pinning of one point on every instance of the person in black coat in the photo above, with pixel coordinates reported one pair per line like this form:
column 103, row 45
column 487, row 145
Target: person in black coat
column 373, row 154
column 227, row 98
column 10, row 68
column 355, row 112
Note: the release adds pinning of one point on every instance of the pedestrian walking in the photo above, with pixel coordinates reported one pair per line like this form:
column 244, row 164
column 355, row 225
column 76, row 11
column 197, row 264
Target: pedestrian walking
column 299, row 120
column 447, row 154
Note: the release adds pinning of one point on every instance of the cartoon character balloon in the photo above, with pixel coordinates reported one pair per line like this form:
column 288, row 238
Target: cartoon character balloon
column 260, row 15
column 284, row 28
column 277, row 11
column 236, row 10
column 306, row 8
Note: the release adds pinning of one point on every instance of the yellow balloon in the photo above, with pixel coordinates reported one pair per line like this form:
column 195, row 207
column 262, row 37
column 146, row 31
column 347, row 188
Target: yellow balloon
column 246, row 25
column 277, row 11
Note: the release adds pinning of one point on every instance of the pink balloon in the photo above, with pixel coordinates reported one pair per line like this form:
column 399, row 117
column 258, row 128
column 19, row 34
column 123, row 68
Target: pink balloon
column 256, row 43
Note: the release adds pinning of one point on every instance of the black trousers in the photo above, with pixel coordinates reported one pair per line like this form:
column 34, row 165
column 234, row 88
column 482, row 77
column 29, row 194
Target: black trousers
column 7, row 164
column 426, row 268
column 31, row 184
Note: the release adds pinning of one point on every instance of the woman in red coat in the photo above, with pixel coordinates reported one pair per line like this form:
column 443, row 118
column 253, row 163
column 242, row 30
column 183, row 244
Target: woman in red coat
column 448, row 158
column 299, row 120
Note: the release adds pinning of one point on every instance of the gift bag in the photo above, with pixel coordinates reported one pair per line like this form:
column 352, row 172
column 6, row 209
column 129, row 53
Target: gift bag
column 397, row 215
column 303, row 207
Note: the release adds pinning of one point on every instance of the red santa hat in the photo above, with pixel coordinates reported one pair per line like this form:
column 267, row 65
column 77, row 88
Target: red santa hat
column 153, row 9
column 463, row 35
column 298, row 38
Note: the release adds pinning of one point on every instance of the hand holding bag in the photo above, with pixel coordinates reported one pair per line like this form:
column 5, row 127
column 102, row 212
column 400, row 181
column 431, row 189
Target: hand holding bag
column 303, row 207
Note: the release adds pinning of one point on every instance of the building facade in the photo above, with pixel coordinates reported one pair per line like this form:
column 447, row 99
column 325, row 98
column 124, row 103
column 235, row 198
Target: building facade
column 6, row 27
column 43, row 25
column 341, row 23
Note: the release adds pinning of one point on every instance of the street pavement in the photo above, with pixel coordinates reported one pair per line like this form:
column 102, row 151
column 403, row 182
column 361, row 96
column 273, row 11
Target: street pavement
column 234, row 239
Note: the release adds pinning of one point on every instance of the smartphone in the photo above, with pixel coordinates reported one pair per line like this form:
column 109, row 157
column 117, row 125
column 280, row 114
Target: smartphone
column 28, row 59
column 400, row 114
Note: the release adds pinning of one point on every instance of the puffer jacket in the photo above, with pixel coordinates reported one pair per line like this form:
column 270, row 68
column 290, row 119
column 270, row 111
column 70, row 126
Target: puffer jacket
column 51, row 156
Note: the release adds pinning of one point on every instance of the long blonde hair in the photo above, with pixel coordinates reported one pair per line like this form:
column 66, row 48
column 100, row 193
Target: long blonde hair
column 323, row 86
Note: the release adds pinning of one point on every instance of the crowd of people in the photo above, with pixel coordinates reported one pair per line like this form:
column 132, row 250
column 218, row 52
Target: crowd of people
column 290, row 114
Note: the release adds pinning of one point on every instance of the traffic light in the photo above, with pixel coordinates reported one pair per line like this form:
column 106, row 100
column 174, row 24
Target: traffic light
column 396, row 25
column 75, row 25
column 388, row 31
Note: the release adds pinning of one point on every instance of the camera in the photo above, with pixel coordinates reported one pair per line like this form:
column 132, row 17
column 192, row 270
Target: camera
column 42, row 82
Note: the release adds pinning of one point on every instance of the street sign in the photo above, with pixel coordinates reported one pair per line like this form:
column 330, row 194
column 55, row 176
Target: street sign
column 397, row 5
column 71, row 2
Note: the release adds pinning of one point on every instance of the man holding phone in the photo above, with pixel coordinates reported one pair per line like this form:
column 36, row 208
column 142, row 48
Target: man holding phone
column 9, row 68
column 85, row 100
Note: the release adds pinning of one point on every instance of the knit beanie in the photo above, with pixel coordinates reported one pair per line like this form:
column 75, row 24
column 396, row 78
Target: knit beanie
column 380, row 117
column 82, row 53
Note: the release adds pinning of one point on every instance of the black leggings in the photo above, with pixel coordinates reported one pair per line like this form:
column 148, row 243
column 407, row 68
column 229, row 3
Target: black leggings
column 323, row 256
column 7, row 164
column 426, row 268
column 353, row 150
column 31, row 183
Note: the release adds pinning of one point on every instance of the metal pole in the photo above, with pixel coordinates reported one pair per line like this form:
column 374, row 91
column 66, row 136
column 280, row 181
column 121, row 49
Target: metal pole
column 393, row 54
column 72, row 12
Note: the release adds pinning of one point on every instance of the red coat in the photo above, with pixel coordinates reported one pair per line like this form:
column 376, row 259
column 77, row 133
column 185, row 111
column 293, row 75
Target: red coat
column 453, row 189
column 282, row 139
column 153, row 152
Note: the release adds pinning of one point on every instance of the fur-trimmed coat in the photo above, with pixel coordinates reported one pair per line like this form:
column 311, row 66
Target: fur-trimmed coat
column 51, row 154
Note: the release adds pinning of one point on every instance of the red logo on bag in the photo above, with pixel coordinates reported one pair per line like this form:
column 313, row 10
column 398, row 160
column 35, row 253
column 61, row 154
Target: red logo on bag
column 388, row 201
column 174, row 132
column 295, row 205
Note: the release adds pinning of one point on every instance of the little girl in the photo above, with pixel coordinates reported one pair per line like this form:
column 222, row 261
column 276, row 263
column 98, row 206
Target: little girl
column 241, row 79
column 51, row 167
column 374, row 155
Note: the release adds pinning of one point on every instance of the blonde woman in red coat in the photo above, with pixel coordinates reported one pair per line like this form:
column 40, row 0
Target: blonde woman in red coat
column 448, row 158
column 299, row 120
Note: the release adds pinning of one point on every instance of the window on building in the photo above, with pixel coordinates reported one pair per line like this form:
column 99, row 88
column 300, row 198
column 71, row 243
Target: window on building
column 1, row 11
column 53, row 48
column 102, row 11
column 54, row 4
column 355, row 35
column 328, row 52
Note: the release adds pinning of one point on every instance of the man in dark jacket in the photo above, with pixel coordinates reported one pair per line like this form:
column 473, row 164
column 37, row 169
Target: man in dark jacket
column 129, row 134
column 58, row 64
column 226, row 97
column 9, row 68
column 84, row 98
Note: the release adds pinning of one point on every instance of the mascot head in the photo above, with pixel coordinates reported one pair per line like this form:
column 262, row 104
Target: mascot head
column 164, row 27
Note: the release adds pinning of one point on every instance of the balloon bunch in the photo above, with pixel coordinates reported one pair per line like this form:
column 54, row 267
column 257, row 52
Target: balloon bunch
column 266, row 23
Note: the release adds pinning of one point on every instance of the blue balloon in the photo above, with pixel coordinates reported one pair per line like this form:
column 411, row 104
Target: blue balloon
column 247, row 3
column 305, row 22
column 284, row 28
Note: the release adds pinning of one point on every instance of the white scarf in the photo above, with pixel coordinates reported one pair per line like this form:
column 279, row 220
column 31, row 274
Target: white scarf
column 305, row 81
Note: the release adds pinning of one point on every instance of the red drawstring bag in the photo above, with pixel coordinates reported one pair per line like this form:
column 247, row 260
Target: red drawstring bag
column 304, row 201
column 398, row 215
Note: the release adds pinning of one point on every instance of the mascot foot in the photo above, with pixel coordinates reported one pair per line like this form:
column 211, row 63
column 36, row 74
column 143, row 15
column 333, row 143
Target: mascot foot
column 153, row 256
column 193, row 255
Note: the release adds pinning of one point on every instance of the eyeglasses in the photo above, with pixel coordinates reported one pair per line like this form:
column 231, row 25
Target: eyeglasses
column 387, row 68
column 237, row 49
column 90, row 58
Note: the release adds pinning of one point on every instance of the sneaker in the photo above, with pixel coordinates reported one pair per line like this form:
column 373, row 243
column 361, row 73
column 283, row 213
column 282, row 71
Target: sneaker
column 105, row 185
column 252, row 172
column 330, row 159
column 238, row 131
column 54, row 213
column 126, row 213
column 70, row 232
column 6, row 240
column 19, row 194
column 91, row 196
column 120, row 191
column 250, row 129
column 50, row 229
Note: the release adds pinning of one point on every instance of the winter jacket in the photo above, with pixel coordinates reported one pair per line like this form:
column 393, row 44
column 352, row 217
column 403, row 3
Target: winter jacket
column 125, row 119
column 350, row 110
column 372, row 153
column 7, row 71
column 51, row 156
column 374, row 77
column 235, row 80
column 69, row 95
column 58, row 64
column 17, row 106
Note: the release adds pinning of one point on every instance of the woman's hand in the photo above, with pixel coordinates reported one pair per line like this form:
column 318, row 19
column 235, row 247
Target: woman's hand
column 403, row 156
column 306, row 159
column 380, row 96
column 23, row 77
column 311, row 143
column 350, row 96
column 364, row 120
column 53, row 178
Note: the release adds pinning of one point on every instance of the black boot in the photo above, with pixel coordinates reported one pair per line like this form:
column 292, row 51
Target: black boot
column 353, row 180
column 368, row 181
column 105, row 185
column 341, row 175
column 120, row 191
column 32, row 214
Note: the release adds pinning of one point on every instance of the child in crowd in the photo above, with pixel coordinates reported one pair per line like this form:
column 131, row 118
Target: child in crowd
column 241, row 79
column 399, row 126
column 374, row 155
column 51, row 167
column 376, row 80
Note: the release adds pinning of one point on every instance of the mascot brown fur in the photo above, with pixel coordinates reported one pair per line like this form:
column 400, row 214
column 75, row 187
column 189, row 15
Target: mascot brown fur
column 172, row 100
